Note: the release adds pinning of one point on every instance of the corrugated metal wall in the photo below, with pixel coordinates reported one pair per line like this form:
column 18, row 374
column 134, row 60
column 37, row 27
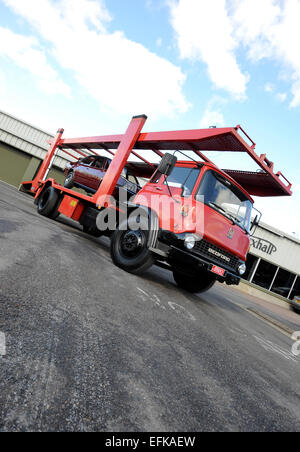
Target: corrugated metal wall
column 13, row 165
column 27, row 138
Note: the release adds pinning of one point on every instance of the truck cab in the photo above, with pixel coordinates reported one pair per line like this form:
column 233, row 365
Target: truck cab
column 204, row 220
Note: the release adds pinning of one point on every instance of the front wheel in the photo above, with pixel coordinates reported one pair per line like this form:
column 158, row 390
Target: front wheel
column 194, row 284
column 130, row 248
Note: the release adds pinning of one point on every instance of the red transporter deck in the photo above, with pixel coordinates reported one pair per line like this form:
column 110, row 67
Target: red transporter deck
column 263, row 183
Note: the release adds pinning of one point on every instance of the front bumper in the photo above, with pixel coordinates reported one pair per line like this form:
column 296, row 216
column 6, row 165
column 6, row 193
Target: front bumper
column 191, row 263
column 188, row 263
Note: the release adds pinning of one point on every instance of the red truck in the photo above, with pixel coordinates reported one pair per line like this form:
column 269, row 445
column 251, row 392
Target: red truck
column 184, row 214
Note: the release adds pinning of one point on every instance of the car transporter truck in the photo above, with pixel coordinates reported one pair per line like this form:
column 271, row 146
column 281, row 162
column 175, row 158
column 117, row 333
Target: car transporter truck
column 182, row 213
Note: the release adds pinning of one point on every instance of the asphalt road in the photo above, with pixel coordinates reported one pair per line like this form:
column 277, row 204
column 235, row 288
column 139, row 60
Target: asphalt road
column 92, row 348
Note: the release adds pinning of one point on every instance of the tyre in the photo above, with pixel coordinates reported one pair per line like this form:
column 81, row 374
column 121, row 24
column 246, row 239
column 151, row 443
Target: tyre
column 55, row 214
column 194, row 284
column 69, row 181
column 130, row 248
column 48, row 202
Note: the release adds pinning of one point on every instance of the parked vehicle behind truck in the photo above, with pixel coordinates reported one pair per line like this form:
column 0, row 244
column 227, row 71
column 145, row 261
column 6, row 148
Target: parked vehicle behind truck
column 190, row 217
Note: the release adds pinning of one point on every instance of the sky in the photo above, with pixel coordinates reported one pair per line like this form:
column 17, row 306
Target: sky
column 90, row 65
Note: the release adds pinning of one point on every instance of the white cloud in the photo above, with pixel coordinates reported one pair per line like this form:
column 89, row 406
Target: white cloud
column 3, row 84
column 212, row 114
column 281, row 97
column 215, row 31
column 159, row 42
column 274, row 33
column 24, row 52
column 212, row 118
column 269, row 87
column 204, row 32
column 122, row 75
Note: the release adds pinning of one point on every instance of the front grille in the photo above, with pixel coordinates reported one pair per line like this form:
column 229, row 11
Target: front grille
column 217, row 255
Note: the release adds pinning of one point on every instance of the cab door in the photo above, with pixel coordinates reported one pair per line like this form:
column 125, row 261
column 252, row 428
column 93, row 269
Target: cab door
column 81, row 171
column 96, row 173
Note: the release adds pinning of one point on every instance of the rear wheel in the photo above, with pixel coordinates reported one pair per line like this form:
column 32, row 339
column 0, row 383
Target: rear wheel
column 69, row 181
column 48, row 202
column 194, row 284
column 130, row 248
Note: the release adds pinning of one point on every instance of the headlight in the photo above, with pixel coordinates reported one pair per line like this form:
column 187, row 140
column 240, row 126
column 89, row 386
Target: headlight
column 190, row 242
column 242, row 269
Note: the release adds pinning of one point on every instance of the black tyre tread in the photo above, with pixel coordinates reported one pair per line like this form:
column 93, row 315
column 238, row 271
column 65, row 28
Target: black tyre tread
column 48, row 209
column 55, row 214
column 196, row 284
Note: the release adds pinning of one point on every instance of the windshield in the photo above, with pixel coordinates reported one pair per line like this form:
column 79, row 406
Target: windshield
column 183, row 177
column 223, row 196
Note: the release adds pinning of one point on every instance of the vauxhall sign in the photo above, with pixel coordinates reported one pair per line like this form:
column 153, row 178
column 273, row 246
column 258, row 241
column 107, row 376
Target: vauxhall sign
column 275, row 247
column 263, row 245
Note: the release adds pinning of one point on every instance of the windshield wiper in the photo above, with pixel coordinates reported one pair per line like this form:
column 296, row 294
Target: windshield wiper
column 230, row 216
column 216, row 205
column 227, row 214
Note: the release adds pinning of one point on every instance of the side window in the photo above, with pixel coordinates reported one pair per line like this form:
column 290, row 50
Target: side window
column 132, row 179
column 184, row 178
column 107, row 164
column 87, row 160
column 98, row 163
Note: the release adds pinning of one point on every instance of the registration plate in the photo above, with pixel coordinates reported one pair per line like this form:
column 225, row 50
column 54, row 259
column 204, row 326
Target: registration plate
column 218, row 271
column 297, row 300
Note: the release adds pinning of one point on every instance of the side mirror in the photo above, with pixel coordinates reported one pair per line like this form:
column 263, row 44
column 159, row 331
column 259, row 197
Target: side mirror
column 255, row 222
column 167, row 164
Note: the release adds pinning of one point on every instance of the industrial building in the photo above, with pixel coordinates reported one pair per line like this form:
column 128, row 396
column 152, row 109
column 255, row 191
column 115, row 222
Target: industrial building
column 22, row 149
column 273, row 264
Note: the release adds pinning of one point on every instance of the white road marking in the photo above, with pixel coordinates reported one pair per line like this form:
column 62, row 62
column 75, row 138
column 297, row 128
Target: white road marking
column 144, row 295
column 271, row 347
column 181, row 310
column 296, row 345
column 158, row 302
column 154, row 298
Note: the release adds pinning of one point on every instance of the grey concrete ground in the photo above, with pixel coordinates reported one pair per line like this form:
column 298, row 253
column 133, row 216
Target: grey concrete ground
column 91, row 348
